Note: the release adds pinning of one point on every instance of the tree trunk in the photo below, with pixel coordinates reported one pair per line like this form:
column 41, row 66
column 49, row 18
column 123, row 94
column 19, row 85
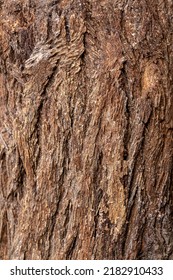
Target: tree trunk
column 86, row 129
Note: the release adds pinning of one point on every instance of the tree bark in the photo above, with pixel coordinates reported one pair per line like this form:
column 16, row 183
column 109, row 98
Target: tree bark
column 86, row 129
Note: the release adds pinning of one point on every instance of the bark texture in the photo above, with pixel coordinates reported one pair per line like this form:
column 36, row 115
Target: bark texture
column 86, row 129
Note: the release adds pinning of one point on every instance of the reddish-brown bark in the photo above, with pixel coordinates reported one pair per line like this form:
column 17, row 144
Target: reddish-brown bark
column 86, row 121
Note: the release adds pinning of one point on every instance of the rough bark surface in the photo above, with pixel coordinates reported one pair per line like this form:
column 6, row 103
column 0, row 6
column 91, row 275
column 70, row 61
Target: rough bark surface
column 86, row 129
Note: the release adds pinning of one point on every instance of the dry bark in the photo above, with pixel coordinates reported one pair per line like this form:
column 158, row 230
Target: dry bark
column 86, row 119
